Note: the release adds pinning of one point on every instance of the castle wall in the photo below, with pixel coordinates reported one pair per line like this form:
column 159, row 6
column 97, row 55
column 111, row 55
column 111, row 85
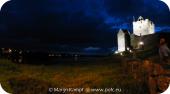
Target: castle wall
column 150, row 41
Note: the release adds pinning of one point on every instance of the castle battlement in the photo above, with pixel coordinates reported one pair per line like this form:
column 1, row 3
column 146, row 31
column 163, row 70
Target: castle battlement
column 143, row 27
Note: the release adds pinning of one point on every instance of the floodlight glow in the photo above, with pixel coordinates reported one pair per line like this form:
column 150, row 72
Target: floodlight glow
column 141, row 43
column 116, row 52
column 2, row 2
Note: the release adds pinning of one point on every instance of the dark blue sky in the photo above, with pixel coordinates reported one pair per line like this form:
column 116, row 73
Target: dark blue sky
column 78, row 23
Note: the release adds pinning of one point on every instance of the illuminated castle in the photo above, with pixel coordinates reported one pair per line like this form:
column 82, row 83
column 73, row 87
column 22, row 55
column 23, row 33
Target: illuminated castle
column 143, row 27
column 143, row 31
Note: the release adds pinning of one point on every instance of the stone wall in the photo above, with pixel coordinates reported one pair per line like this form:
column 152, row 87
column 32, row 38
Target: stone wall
column 150, row 41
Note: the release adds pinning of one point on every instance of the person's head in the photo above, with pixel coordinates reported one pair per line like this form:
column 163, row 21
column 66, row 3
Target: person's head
column 162, row 41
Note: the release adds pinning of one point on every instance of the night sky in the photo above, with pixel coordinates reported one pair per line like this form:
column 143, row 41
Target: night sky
column 55, row 24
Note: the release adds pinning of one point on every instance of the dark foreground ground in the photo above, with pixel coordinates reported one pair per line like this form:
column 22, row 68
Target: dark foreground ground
column 104, row 75
column 100, row 73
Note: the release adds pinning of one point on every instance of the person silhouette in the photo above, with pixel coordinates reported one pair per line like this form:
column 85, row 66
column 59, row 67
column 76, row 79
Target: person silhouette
column 164, row 51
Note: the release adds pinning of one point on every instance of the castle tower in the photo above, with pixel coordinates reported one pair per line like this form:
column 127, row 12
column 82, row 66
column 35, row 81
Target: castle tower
column 143, row 27
column 123, row 39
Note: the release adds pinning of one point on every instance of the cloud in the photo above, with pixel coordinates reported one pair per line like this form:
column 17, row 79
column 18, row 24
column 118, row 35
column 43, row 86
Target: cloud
column 162, row 28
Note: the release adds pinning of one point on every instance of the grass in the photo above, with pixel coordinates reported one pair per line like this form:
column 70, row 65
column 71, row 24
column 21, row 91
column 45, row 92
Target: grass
column 36, row 79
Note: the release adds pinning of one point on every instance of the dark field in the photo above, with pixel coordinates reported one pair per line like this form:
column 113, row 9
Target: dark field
column 103, row 72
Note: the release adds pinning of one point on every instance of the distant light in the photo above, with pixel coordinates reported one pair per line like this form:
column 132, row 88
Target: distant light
column 51, row 55
column 130, row 51
column 20, row 52
column 20, row 60
column 10, row 50
column 58, row 55
column 128, row 48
